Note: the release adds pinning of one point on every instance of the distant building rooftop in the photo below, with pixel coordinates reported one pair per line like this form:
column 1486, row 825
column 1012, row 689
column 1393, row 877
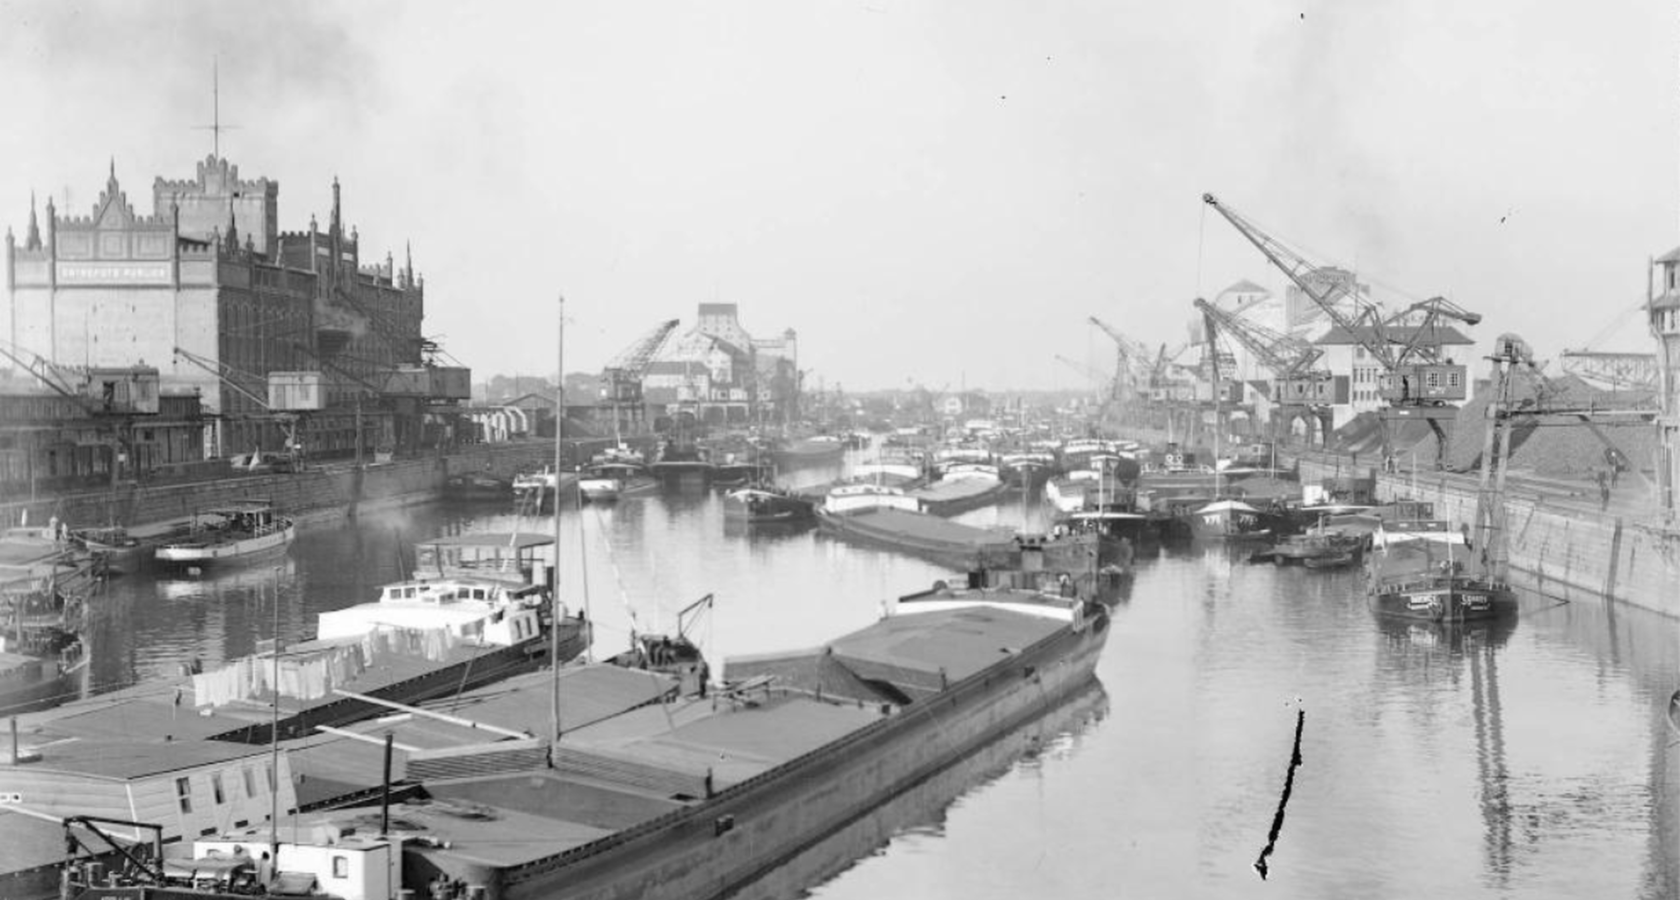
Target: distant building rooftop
column 1245, row 287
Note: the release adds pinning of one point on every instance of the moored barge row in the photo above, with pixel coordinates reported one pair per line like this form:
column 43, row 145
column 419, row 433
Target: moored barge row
column 699, row 796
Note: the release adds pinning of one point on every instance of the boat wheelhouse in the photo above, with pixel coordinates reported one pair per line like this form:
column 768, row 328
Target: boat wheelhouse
column 522, row 558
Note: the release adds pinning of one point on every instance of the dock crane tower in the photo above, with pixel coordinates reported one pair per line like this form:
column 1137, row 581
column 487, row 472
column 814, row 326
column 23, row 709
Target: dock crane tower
column 1172, row 394
column 1131, row 368
column 1417, row 380
column 1299, row 389
column 113, row 397
column 230, row 376
column 621, row 378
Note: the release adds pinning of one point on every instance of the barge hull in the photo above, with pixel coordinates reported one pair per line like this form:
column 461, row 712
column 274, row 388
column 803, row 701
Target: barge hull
column 717, row 848
column 929, row 537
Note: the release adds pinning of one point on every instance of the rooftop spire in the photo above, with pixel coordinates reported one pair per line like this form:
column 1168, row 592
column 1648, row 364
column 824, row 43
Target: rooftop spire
column 232, row 229
column 335, row 224
column 111, row 188
column 32, row 240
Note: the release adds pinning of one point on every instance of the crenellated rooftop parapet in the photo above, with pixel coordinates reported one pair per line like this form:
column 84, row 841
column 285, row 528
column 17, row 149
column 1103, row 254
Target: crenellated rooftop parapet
column 216, row 177
column 112, row 211
column 191, row 248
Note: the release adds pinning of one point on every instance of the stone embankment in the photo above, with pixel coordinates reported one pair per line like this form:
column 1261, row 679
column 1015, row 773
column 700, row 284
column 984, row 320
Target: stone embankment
column 1564, row 539
column 326, row 491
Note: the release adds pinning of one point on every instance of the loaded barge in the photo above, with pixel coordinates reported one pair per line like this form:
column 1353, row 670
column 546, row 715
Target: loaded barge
column 649, row 795
column 801, row 745
column 930, row 537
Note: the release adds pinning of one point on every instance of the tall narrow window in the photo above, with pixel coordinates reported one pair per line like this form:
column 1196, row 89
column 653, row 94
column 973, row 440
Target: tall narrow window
column 216, row 788
column 250, row 782
column 183, row 794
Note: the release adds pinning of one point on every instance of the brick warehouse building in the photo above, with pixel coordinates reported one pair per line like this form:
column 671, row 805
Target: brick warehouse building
column 209, row 291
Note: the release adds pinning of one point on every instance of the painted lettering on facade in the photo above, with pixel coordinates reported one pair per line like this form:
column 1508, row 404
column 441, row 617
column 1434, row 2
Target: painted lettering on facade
column 113, row 273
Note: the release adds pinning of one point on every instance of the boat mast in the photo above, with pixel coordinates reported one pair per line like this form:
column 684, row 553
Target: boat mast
column 554, row 573
column 274, row 741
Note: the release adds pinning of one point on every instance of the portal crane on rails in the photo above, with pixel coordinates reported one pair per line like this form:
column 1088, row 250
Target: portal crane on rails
column 1417, row 381
column 621, row 378
column 1300, row 388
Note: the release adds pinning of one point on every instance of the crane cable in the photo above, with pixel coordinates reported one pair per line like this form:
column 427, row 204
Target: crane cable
column 1201, row 240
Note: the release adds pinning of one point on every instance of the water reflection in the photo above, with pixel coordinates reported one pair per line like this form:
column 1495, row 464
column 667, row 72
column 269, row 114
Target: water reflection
column 1424, row 640
column 1525, row 758
column 920, row 813
column 232, row 584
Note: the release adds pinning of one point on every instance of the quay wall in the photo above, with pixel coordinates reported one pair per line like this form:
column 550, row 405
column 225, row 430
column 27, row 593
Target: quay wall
column 321, row 492
column 1561, row 543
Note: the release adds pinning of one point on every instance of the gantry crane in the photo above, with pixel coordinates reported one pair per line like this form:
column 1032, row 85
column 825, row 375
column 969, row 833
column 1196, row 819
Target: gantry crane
column 1299, row 389
column 621, row 378
column 111, row 396
column 1417, row 379
column 230, row 376
column 1616, row 370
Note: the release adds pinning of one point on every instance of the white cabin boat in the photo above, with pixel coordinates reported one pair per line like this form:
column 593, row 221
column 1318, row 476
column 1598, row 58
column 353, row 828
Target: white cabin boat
column 479, row 610
column 230, row 534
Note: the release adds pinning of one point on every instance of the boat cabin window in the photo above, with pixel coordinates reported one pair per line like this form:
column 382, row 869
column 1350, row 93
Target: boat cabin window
column 250, row 782
column 183, row 794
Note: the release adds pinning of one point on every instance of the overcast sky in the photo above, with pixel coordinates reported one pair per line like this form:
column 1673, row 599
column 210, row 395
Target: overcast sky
column 932, row 193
